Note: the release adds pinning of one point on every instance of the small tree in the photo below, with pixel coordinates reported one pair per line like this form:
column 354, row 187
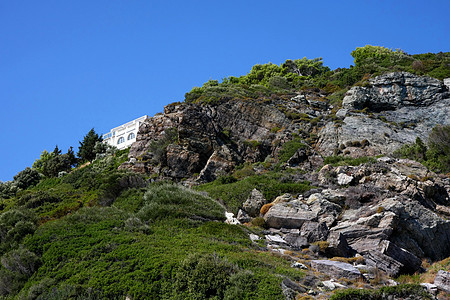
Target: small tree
column 39, row 163
column 71, row 156
column 26, row 178
column 86, row 151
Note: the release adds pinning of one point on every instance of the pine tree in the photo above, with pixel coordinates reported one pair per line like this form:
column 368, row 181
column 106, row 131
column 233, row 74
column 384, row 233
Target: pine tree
column 86, row 150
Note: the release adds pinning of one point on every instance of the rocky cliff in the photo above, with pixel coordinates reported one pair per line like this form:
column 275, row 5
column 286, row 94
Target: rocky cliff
column 211, row 140
column 392, row 110
column 391, row 212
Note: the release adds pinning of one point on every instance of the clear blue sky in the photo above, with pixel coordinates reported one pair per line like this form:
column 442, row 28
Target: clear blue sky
column 68, row 66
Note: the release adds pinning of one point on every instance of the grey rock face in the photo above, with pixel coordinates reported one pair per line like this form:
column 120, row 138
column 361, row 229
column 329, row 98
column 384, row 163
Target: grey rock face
column 336, row 269
column 290, row 289
column 254, row 203
column 395, row 90
column 288, row 216
column 376, row 259
column 410, row 263
column 211, row 139
column 338, row 246
column 390, row 218
column 403, row 106
column 442, row 281
column 314, row 231
column 421, row 231
column 431, row 288
column 243, row 217
column 296, row 241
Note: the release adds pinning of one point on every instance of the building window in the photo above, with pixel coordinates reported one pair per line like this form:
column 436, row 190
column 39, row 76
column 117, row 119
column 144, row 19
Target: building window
column 121, row 140
column 131, row 136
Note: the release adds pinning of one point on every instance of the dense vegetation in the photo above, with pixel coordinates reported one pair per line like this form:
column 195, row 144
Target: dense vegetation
column 102, row 233
column 436, row 156
column 76, row 227
column 270, row 81
column 388, row 292
column 234, row 192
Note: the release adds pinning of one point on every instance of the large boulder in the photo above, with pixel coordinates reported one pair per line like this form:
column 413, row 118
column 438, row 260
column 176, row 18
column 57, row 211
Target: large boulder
column 421, row 231
column 379, row 260
column 253, row 204
column 338, row 246
column 442, row 280
column 336, row 269
column 288, row 215
column 410, row 263
column 314, row 231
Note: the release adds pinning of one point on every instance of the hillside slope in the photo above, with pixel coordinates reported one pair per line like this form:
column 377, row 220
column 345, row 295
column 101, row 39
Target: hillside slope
column 338, row 180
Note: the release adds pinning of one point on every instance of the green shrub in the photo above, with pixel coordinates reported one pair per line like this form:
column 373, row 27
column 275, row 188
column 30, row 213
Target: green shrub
column 289, row 149
column 167, row 200
column 399, row 291
column 104, row 253
column 26, row 178
column 246, row 171
column 436, row 156
column 36, row 199
column 203, row 277
column 158, row 147
column 352, row 294
column 243, row 285
column 130, row 200
column 15, row 224
column 8, row 189
column 226, row 179
column 20, row 261
column 259, row 222
column 234, row 194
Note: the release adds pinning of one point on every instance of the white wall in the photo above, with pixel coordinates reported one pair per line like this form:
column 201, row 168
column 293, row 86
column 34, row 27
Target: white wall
column 127, row 131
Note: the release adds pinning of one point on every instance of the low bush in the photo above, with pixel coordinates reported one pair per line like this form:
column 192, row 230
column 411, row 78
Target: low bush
column 234, row 194
column 27, row 178
column 289, row 149
column 258, row 222
column 435, row 155
column 15, row 225
column 203, row 277
column 399, row 291
column 106, row 253
column 168, row 200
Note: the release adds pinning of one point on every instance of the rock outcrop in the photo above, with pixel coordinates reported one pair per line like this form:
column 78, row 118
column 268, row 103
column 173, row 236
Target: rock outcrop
column 253, row 204
column 394, row 109
column 391, row 212
column 210, row 140
column 386, row 214
column 442, row 281
column 336, row 269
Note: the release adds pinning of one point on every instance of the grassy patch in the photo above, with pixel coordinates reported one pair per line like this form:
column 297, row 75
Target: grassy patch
column 94, row 250
column 402, row 290
column 234, row 194
column 289, row 149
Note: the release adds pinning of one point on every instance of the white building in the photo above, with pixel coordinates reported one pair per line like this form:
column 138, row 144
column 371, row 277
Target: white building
column 124, row 135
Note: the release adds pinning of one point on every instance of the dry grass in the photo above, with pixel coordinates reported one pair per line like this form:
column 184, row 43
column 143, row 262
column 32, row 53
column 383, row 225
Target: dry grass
column 429, row 275
column 350, row 260
column 265, row 208
column 323, row 245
